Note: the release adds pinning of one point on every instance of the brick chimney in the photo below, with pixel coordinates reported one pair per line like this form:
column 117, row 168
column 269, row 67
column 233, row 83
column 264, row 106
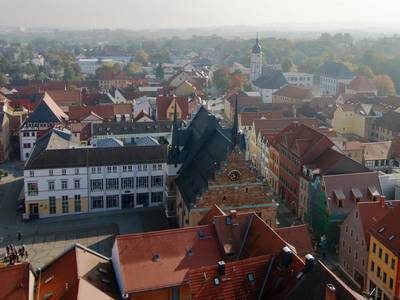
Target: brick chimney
column 382, row 200
column 330, row 292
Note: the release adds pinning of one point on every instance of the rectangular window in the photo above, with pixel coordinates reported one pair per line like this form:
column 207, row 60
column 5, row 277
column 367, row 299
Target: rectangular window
column 380, row 253
column 77, row 203
column 64, row 204
column 124, row 169
column 112, row 201
column 96, row 184
column 51, row 173
column 378, row 271
column 63, row 171
column 157, row 197
column 109, row 169
column 93, row 170
column 142, row 199
column 130, row 168
column 33, row 189
column 127, row 183
column 372, row 266
column 384, row 277
column 51, row 185
column 32, row 173
column 115, row 169
column 112, row 184
column 76, row 171
column 64, row 184
column 142, row 182
column 144, row 167
column 154, row 167
column 392, row 264
column 159, row 167
column 374, row 248
column 386, row 258
column 77, row 184
column 156, row 180
column 52, row 205
column 97, row 202
column 98, row 170
column 391, row 283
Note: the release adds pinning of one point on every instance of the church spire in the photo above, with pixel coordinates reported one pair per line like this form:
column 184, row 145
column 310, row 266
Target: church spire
column 235, row 126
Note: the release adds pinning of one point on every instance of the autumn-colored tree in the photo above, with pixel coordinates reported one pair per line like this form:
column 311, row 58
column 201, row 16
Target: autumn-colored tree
column 221, row 78
column 236, row 82
column 142, row 57
column 384, row 85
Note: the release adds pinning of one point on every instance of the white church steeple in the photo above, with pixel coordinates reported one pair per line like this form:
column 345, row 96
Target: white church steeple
column 256, row 61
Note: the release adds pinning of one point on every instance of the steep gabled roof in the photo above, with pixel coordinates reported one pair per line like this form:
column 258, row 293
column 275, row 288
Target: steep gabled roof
column 294, row 92
column 46, row 111
column 362, row 84
column 65, row 97
column 298, row 237
column 163, row 102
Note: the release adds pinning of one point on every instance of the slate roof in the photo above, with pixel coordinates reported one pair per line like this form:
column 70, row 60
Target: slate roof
column 46, row 111
column 86, row 157
column 271, row 79
column 312, row 286
column 335, row 70
column 390, row 120
column 205, row 147
column 257, row 47
column 117, row 128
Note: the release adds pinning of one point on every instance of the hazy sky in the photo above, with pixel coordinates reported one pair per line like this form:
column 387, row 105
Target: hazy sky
column 140, row 14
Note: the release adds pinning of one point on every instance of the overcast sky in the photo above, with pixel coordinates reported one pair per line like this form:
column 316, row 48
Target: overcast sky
column 154, row 14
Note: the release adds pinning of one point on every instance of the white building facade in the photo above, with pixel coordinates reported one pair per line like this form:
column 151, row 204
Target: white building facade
column 256, row 61
column 300, row 79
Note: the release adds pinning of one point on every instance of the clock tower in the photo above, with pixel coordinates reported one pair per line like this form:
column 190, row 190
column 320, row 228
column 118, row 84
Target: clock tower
column 256, row 61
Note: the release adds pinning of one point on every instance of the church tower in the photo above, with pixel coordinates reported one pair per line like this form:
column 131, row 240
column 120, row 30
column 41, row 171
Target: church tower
column 256, row 61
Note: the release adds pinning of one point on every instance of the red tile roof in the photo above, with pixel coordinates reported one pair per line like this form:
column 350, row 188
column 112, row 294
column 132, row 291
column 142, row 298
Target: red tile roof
column 294, row 92
column 14, row 282
column 362, row 84
column 302, row 140
column 298, row 237
column 372, row 212
column 78, row 273
column 247, row 118
column 234, row 284
column 77, row 113
column 387, row 230
column 140, row 271
column 65, row 97
column 163, row 102
column 215, row 211
column 276, row 125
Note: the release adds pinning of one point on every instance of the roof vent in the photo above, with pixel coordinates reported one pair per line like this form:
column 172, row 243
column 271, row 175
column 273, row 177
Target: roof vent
column 201, row 234
column 381, row 230
column 189, row 252
column 102, row 270
column 105, row 280
column 221, row 268
column 287, row 256
column 156, row 257
column 250, row 277
column 309, row 263
column 391, row 238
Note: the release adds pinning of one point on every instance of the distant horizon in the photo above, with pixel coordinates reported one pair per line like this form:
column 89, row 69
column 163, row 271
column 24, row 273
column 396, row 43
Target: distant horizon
column 293, row 15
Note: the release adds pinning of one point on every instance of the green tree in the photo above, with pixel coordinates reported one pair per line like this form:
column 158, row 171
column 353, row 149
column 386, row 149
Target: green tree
column 221, row 78
column 69, row 73
column 364, row 71
column 142, row 57
column 3, row 79
column 160, row 72
column 134, row 68
column 384, row 85
column 287, row 65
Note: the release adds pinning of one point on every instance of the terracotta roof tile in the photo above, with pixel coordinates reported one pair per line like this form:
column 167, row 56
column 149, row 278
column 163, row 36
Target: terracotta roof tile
column 298, row 237
column 294, row 92
column 247, row 118
column 163, row 102
column 362, row 84
column 65, row 97
column 15, row 282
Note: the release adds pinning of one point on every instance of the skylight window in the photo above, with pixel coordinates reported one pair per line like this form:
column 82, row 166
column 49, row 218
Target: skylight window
column 217, row 282
column 391, row 238
column 250, row 277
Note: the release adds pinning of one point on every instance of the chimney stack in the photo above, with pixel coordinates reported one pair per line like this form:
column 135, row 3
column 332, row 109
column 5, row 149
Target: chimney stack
column 383, row 200
column 330, row 292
